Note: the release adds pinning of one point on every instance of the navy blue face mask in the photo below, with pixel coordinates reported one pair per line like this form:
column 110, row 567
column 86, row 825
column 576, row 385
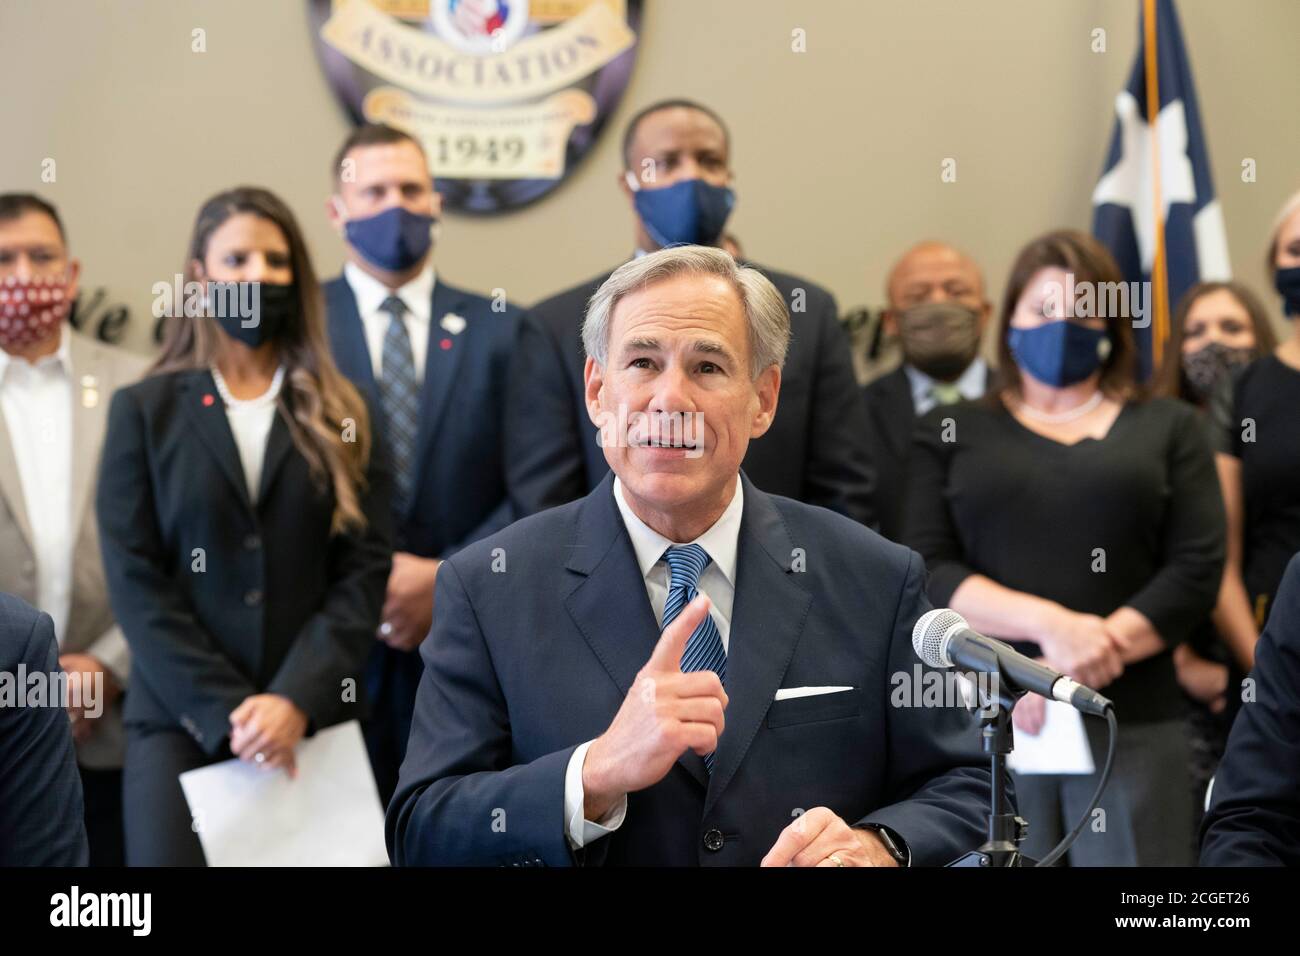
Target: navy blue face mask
column 691, row 212
column 394, row 239
column 1288, row 286
column 1059, row 353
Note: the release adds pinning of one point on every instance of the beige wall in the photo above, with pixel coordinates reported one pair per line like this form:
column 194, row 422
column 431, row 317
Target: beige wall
column 836, row 150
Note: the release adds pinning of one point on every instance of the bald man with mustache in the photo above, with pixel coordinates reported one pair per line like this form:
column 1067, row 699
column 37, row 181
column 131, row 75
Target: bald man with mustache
column 938, row 309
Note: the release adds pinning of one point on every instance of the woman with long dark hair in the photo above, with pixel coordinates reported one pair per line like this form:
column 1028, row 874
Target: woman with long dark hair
column 1072, row 515
column 244, row 522
column 1218, row 329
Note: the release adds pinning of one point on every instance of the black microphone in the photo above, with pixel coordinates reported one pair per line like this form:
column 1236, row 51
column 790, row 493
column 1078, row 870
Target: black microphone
column 942, row 638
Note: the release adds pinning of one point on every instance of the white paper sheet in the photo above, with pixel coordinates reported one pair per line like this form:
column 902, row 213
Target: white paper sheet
column 329, row 816
column 1060, row 747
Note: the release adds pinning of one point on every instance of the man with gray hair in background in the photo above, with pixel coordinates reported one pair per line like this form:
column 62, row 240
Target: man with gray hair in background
column 680, row 669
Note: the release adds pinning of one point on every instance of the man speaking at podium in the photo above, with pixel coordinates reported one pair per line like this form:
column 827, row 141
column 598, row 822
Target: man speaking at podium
column 679, row 669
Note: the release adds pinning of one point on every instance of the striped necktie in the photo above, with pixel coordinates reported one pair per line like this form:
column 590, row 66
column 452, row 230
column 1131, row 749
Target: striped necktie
column 704, row 650
column 399, row 397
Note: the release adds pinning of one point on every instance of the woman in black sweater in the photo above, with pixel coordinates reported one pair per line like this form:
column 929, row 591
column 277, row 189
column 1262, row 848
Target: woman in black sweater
column 1072, row 517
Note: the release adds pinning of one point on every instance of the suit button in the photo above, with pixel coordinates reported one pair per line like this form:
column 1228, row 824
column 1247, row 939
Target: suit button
column 252, row 542
column 713, row 840
column 253, row 598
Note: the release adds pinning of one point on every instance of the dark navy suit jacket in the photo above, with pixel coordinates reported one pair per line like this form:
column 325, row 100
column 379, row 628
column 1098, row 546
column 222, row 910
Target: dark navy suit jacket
column 1254, row 815
column 40, row 790
column 816, row 450
column 459, row 491
column 539, row 632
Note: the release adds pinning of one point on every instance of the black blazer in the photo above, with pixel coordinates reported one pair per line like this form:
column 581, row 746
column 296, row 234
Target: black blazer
column 219, row 599
column 459, row 491
column 1254, row 815
column 523, row 667
column 816, row 450
column 891, row 422
column 40, row 789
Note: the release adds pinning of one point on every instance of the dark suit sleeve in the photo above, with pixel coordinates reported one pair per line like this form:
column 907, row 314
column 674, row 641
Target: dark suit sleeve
column 927, row 525
column 938, row 780
column 839, row 473
column 461, row 800
column 41, row 812
column 544, row 430
column 169, row 648
column 334, row 643
column 1254, row 815
column 1182, row 593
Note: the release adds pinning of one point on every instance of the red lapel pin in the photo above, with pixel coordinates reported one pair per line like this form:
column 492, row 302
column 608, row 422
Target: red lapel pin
column 446, row 344
column 208, row 400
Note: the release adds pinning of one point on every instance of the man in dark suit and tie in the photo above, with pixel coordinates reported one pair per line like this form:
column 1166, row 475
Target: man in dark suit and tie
column 40, row 791
column 680, row 668
column 677, row 179
column 1254, row 813
column 938, row 310
column 433, row 359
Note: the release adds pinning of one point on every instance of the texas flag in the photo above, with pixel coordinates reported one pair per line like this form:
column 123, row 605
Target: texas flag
column 1154, row 205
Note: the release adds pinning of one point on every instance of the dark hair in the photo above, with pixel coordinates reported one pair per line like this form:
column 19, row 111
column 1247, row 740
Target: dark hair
column 372, row 134
column 1088, row 261
column 1170, row 380
column 317, row 401
column 629, row 131
column 14, row 205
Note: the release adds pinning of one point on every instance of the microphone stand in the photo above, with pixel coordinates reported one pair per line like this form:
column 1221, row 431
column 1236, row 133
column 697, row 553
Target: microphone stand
column 1005, row 829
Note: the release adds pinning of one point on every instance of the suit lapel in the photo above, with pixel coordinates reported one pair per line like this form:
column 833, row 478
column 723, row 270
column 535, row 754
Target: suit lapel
column 91, row 389
column 770, row 610
column 278, row 443
column 348, row 335
column 610, row 605
column 440, row 364
column 896, row 415
column 11, row 485
column 205, row 409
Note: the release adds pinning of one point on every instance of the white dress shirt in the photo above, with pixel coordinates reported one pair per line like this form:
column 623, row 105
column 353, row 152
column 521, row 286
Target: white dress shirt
column 416, row 295
column 250, row 422
column 717, row 582
column 971, row 383
column 37, row 404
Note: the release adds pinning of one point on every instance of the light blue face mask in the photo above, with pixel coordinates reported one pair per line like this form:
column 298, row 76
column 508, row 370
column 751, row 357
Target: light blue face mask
column 1059, row 353
column 690, row 212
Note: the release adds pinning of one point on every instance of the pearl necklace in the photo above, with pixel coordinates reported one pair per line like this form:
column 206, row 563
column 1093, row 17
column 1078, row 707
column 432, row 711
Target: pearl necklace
column 266, row 398
column 1061, row 418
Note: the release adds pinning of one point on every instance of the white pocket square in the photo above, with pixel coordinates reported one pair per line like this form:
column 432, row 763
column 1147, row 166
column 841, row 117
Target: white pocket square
column 453, row 323
column 785, row 693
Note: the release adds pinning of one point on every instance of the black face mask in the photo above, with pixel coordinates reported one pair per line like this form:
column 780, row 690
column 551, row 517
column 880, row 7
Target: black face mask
column 1209, row 365
column 940, row 339
column 272, row 308
column 1287, row 282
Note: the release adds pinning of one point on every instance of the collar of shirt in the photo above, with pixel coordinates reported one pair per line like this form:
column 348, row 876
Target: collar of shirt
column 971, row 383
column 721, row 541
column 60, row 359
column 416, row 295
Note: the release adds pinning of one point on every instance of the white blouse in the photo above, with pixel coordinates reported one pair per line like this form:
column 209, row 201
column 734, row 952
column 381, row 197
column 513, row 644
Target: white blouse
column 250, row 422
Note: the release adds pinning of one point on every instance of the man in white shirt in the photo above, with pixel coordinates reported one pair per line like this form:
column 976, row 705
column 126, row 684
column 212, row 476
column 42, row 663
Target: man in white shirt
column 681, row 669
column 432, row 359
column 54, row 391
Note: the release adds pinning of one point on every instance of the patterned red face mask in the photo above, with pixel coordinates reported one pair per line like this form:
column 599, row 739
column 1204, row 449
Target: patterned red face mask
column 30, row 309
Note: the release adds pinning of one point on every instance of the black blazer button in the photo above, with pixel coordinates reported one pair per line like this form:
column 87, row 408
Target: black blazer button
column 253, row 598
column 252, row 542
column 713, row 840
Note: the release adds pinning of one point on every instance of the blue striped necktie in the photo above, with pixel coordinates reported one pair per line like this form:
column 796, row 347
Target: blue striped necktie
column 399, row 396
column 704, row 650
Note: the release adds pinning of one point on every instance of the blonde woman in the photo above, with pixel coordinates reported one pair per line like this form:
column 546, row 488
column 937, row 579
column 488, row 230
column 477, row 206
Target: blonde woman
column 244, row 523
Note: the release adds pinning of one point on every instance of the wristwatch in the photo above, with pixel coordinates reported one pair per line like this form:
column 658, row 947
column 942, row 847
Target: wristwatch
column 895, row 844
